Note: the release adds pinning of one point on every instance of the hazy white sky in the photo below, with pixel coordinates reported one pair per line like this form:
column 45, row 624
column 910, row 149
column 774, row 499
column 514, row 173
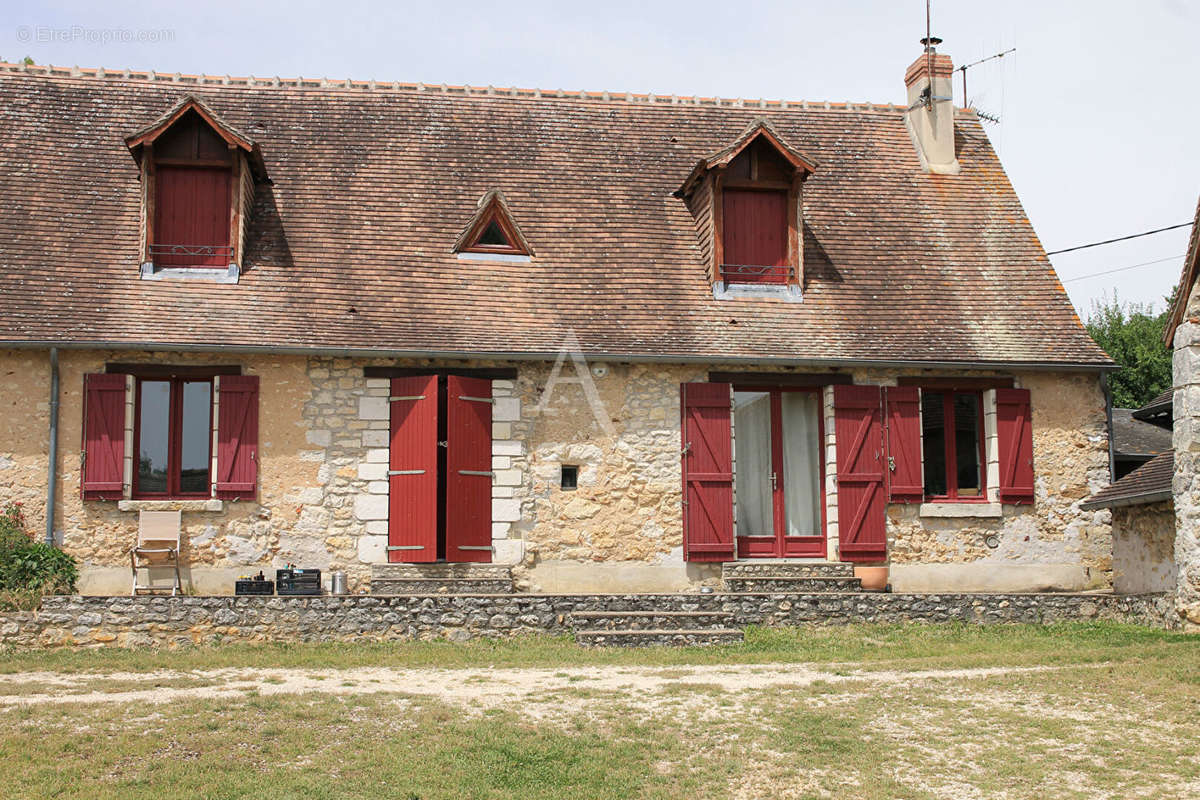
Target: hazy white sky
column 1100, row 105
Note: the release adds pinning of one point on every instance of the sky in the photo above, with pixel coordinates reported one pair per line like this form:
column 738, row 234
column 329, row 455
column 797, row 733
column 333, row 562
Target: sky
column 1099, row 106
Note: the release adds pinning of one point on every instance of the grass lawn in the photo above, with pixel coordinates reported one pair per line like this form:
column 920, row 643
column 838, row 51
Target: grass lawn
column 1070, row 711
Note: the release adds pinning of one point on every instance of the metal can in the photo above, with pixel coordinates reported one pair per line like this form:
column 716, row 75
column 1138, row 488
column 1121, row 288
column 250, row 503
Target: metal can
column 337, row 583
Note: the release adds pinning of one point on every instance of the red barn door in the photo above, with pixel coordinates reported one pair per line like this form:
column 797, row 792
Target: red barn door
column 412, row 470
column 468, row 469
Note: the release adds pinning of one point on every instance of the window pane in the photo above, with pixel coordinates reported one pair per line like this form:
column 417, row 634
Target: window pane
column 933, row 442
column 194, row 449
column 802, row 463
column 752, row 470
column 154, row 426
column 966, row 444
column 493, row 235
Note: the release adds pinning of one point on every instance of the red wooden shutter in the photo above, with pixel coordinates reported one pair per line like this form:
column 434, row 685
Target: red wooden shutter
column 468, row 469
column 755, row 234
column 192, row 208
column 707, row 472
column 412, row 470
column 1014, row 428
column 862, row 523
column 103, row 436
column 905, row 484
column 237, row 437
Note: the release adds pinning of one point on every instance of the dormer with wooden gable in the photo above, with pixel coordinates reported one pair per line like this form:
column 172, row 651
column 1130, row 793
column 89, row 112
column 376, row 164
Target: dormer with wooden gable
column 492, row 233
column 197, row 175
column 746, row 201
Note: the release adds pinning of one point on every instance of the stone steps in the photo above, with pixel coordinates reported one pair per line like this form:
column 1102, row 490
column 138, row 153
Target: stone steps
column 393, row 579
column 786, row 569
column 793, row 585
column 659, row 638
column 649, row 620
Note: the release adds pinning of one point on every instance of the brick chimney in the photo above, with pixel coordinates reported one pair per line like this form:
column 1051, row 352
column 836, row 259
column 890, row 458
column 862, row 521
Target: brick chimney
column 930, row 115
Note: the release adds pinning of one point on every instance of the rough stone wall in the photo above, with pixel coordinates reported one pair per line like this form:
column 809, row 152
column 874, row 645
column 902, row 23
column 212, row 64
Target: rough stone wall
column 1144, row 548
column 216, row 545
column 25, row 432
column 1186, row 441
column 92, row 622
column 1070, row 455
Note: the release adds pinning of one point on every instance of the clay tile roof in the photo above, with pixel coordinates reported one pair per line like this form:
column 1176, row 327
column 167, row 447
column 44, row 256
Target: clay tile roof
column 1191, row 268
column 1132, row 437
column 1163, row 404
column 1149, row 483
column 372, row 182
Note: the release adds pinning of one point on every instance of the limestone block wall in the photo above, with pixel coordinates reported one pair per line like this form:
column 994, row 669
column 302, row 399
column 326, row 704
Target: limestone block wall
column 1144, row 548
column 1186, row 441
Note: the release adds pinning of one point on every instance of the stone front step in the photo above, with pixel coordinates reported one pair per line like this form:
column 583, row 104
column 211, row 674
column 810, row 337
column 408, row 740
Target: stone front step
column 392, row 579
column 786, row 569
column 659, row 638
column 792, row 585
column 649, row 620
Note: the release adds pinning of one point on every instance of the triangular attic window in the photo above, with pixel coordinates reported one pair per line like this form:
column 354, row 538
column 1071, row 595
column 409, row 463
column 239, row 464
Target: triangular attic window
column 493, row 236
column 493, row 230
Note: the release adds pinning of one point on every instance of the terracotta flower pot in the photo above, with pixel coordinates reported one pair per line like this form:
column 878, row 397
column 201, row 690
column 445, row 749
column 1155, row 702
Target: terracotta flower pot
column 874, row 579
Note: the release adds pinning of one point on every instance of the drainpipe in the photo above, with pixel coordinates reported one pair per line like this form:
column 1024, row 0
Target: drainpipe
column 52, row 478
column 1112, row 458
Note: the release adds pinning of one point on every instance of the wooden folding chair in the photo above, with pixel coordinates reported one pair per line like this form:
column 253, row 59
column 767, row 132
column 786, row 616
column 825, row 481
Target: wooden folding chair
column 157, row 546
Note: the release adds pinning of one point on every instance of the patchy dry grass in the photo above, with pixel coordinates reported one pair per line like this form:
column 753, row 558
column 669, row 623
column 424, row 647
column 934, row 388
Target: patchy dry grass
column 875, row 713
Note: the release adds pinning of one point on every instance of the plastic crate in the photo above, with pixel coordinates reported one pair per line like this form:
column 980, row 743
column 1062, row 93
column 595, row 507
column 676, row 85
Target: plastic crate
column 253, row 587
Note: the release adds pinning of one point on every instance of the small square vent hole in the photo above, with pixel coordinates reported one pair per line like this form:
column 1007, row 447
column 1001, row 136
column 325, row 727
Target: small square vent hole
column 570, row 477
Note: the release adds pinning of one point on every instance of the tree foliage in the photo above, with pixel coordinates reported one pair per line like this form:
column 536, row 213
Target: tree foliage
column 1132, row 334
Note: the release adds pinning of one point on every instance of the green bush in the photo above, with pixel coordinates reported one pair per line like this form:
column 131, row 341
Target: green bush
column 30, row 569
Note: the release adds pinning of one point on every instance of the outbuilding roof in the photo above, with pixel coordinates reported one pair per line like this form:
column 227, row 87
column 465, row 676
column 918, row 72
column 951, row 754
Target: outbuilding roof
column 1149, row 483
column 350, row 246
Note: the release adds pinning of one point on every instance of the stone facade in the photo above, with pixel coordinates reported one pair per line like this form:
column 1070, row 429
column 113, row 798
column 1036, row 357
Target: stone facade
column 1186, row 442
column 91, row 622
column 322, row 500
column 1144, row 548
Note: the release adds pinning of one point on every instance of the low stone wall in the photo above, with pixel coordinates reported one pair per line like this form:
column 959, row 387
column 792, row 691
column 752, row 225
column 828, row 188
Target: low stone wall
column 84, row 622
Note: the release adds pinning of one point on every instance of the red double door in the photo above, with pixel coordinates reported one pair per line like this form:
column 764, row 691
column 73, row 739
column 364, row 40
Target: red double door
column 440, row 469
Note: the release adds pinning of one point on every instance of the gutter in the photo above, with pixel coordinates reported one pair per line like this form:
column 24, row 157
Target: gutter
column 52, row 476
column 551, row 355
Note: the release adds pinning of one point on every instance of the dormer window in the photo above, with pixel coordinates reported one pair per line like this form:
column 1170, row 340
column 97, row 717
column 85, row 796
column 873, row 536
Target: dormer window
column 746, row 198
column 197, row 186
column 193, row 197
column 493, row 233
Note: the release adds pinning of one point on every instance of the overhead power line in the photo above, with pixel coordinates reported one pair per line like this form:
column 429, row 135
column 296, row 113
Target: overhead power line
column 1119, row 239
column 1122, row 269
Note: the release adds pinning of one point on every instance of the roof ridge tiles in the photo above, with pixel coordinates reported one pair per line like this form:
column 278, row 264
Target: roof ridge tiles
column 465, row 90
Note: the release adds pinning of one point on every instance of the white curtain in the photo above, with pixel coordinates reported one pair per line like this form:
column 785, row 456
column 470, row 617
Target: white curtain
column 801, row 462
column 752, row 472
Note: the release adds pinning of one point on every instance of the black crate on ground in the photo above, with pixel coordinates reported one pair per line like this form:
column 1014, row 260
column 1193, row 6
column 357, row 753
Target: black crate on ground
column 298, row 581
column 255, row 587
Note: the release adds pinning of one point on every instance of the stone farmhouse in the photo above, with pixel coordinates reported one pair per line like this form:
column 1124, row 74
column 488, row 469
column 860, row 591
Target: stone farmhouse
column 611, row 341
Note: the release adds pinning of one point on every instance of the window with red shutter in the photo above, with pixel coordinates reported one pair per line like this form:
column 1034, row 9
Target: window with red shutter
column 905, row 484
column 413, row 470
column 862, row 523
column 237, row 437
column 756, row 236
column 193, row 196
column 103, row 436
column 468, row 469
column 707, row 472
column 1014, row 429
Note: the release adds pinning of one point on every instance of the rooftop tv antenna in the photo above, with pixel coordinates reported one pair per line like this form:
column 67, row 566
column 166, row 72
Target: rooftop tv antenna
column 963, row 69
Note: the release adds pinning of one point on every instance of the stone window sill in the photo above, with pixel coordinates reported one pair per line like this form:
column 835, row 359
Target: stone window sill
column 962, row 510
column 170, row 505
